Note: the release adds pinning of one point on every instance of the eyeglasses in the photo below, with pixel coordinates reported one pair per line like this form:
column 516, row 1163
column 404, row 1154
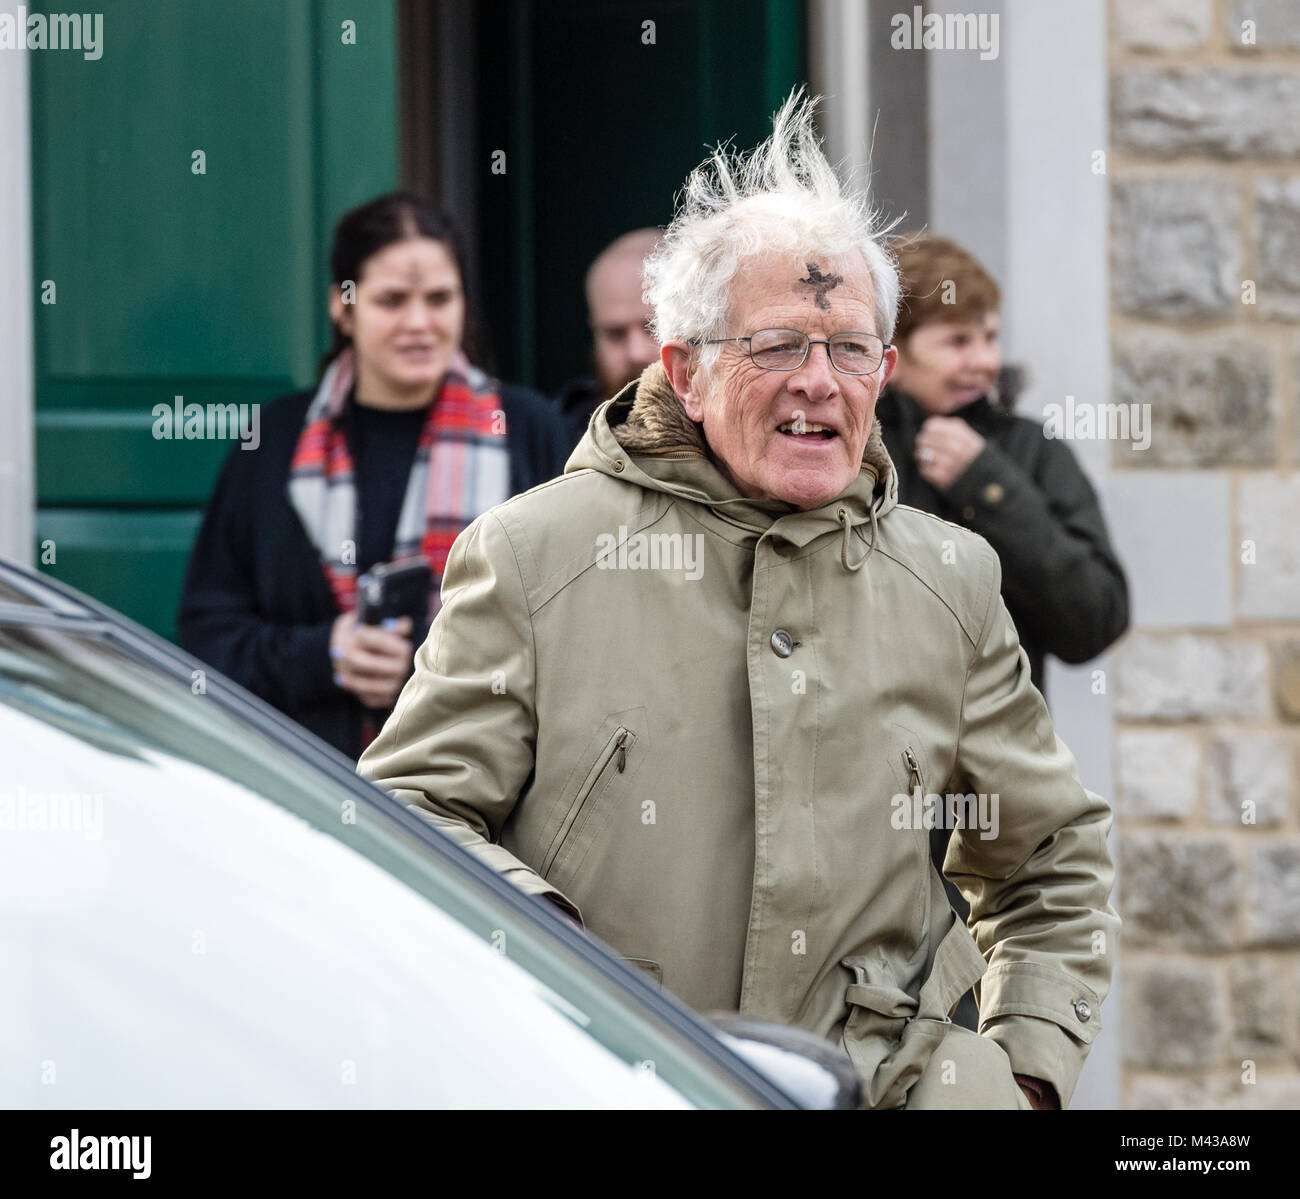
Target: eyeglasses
column 787, row 350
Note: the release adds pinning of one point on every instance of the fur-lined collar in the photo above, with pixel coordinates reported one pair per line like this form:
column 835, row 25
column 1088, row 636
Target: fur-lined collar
column 657, row 424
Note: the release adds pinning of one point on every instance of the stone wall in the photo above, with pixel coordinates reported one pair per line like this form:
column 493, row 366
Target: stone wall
column 1204, row 164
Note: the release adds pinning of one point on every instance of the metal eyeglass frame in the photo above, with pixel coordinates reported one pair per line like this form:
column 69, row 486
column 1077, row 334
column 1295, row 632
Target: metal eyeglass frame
column 809, row 342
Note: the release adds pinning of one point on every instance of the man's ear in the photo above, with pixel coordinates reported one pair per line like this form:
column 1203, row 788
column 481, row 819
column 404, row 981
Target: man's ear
column 890, row 362
column 676, row 357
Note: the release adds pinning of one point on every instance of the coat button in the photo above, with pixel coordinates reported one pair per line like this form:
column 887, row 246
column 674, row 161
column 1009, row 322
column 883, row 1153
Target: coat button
column 1082, row 1010
column 993, row 493
column 618, row 465
column 782, row 644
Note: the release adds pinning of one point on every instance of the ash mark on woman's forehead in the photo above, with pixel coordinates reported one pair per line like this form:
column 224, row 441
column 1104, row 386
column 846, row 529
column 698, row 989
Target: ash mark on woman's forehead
column 820, row 284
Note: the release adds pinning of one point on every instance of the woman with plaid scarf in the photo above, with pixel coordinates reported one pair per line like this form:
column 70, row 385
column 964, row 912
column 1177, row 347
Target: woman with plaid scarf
column 400, row 446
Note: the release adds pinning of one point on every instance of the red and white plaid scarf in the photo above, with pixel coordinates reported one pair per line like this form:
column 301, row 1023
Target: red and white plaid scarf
column 461, row 469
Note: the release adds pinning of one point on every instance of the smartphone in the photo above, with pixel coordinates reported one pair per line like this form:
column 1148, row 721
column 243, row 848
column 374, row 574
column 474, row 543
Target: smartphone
column 394, row 589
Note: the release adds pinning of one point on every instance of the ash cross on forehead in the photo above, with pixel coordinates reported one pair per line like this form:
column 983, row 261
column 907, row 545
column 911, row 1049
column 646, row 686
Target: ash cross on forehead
column 821, row 284
column 414, row 274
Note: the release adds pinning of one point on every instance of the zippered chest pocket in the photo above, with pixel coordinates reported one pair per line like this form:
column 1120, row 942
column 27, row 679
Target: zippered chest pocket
column 611, row 763
column 912, row 814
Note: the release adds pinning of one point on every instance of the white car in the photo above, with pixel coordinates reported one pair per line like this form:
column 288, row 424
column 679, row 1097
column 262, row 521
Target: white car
column 202, row 906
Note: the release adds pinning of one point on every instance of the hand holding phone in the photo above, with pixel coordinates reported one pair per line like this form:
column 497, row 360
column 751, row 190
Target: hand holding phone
column 372, row 663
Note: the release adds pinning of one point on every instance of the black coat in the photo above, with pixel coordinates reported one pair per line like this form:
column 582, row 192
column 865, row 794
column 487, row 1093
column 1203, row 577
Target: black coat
column 1028, row 498
column 577, row 400
column 255, row 603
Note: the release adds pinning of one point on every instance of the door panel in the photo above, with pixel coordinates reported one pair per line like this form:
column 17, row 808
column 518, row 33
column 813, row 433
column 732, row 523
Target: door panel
column 600, row 129
column 170, row 282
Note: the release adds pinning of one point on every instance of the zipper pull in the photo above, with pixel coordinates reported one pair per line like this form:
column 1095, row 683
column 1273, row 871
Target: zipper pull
column 913, row 767
column 622, row 751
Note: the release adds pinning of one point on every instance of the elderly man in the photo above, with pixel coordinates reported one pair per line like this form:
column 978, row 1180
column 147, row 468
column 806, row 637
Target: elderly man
column 709, row 690
column 622, row 345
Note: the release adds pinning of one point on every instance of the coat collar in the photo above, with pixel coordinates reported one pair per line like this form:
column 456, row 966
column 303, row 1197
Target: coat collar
column 898, row 409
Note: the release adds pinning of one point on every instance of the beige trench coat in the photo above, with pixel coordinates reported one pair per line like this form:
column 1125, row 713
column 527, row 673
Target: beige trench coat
column 710, row 725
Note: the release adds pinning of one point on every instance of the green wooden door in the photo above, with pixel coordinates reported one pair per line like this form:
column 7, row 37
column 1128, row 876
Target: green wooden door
column 172, row 274
column 600, row 125
column 211, row 285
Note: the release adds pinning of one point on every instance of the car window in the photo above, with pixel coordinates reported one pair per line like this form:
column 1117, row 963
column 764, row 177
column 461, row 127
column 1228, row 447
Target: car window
column 173, row 938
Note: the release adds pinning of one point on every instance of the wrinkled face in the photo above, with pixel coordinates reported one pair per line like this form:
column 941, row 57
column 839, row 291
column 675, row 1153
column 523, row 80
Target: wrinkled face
column 751, row 416
column 622, row 346
column 407, row 320
column 944, row 366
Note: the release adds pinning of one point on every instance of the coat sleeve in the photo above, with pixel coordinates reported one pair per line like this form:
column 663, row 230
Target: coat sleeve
column 1039, row 878
column 1060, row 574
column 220, row 621
column 459, row 747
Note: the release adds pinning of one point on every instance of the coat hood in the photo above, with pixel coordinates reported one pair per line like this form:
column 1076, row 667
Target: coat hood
column 643, row 436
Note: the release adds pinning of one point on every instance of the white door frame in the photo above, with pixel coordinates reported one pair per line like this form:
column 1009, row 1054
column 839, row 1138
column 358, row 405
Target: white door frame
column 17, row 352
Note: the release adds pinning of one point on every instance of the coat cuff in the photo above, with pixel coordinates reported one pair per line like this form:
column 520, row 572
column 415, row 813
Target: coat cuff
column 527, row 879
column 559, row 901
column 1045, row 1019
column 312, row 678
column 492, row 854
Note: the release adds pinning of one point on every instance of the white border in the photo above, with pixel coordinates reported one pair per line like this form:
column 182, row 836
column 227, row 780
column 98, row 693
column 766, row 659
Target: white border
column 17, row 297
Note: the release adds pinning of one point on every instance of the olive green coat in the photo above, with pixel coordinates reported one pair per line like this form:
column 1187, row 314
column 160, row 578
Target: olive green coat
column 710, row 745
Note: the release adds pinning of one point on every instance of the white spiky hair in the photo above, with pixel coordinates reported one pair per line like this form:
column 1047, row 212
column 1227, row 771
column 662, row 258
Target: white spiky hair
column 781, row 197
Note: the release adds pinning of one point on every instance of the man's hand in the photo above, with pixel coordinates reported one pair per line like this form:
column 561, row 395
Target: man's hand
column 1041, row 1095
column 945, row 447
column 564, row 911
column 370, row 661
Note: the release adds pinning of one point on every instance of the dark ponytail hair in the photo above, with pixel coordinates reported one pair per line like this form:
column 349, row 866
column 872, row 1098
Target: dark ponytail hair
column 362, row 232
